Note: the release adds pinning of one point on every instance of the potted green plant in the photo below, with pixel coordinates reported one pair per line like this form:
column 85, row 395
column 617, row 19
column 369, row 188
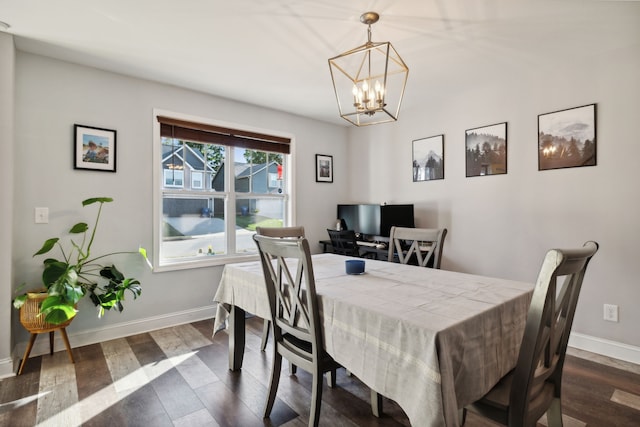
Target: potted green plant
column 78, row 273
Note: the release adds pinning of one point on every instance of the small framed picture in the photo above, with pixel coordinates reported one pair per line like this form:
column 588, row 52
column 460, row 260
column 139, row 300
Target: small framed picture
column 428, row 158
column 567, row 138
column 486, row 150
column 94, row 148
column 324, row 168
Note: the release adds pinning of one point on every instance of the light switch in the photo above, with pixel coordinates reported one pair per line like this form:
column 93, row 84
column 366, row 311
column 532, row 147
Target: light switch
column 42, row 215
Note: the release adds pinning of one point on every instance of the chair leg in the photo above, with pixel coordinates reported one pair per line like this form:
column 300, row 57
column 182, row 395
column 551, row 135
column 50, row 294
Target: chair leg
column 51, row 342
column 376, row 404
column 316, row 400
column 265, row 334
column 273, row 383
column 32, row 339
column 292, row 369
column 554, row 413
column 65, row 338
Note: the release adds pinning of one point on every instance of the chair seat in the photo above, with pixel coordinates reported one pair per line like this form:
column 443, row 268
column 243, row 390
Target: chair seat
column 495, row 404
column 293, row 343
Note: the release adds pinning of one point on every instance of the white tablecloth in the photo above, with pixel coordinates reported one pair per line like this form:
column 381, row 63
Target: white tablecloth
column 432, row 340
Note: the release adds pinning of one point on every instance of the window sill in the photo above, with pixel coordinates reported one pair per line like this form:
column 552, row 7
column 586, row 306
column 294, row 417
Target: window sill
column 204, row 261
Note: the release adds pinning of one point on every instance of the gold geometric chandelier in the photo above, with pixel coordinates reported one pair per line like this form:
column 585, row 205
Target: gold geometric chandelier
column 369, row 80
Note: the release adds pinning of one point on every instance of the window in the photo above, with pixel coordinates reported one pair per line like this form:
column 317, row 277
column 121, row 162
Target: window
column 235, row 180
column 173, row 178
column 196, row 180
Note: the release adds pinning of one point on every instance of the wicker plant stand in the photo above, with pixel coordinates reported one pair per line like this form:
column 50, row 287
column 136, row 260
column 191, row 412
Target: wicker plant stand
column 35, row 324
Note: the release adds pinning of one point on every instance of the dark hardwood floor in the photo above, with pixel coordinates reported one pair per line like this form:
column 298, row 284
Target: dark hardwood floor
column 179, row 377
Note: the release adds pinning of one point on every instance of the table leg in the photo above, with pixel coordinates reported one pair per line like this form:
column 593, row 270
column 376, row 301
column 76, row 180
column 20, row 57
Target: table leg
column 236, row 338
column 376, row 403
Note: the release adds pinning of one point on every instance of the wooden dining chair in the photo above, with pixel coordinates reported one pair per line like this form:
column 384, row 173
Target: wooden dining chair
column 344, row 242
column 282, row 232
column 422, row 244
column 297, row 331
column 533, row 388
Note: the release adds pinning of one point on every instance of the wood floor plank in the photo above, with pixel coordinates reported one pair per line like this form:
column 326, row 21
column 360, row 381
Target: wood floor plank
column 96, row 390
column 192, row 336
column 19, row 396
column 201, row 418
column 225, row 407
column 125, row 369
column 58, row 404
column 177, row 346
column 177, row 397
column 142, row 407
column 627, row 399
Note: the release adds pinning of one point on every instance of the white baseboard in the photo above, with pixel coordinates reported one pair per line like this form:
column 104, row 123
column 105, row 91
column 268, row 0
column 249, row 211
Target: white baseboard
column 608, row 348
column 119, row 330
column 6, row 368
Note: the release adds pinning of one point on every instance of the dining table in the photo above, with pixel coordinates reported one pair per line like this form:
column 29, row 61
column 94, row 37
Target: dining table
column 432, row 340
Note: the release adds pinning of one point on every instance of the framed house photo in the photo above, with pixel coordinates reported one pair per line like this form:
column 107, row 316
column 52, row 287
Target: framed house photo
column 94, row 148
column 567, row 138
column 324, row 168
column 486, row 150
column 428, row 158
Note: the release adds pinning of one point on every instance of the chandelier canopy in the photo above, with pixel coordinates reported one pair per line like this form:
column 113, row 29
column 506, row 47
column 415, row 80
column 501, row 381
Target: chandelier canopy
column 369, row 80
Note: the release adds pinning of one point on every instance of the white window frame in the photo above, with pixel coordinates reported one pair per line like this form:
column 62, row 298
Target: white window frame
column 230, row 196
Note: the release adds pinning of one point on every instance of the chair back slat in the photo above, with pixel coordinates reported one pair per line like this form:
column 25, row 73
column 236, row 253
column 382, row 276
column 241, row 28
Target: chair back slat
column 280, row 231
column 544, row 344
column 291, row 289
column 423, row 244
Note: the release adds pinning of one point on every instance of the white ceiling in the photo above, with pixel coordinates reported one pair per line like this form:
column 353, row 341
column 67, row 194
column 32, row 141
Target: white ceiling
column 274, row 53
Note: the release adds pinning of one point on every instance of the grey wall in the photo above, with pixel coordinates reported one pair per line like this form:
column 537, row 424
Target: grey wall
column 502, row 225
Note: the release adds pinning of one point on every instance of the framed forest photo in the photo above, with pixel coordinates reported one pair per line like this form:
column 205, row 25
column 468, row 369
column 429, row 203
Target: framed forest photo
column 324, row 168
column 486, row 150
column 567, row 138
column 428, row 158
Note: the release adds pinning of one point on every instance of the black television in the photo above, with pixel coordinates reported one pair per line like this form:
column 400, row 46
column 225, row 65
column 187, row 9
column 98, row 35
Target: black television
column 375, row 220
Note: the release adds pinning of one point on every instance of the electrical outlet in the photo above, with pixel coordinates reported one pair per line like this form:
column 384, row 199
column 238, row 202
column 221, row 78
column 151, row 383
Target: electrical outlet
column 611, row 312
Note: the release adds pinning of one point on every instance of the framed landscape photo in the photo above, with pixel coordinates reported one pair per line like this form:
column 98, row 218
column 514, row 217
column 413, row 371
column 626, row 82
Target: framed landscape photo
column 567, row 138
column 324, row 168
column 486, row 150
column 428, row 158
column 94, row 148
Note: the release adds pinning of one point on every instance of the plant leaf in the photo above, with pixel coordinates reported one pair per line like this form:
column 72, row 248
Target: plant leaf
column 60, row 314
column 96, row 200
column 80, row 227
column 19, row 300
column 47, row 246
column 112, row 273
column 55, row 271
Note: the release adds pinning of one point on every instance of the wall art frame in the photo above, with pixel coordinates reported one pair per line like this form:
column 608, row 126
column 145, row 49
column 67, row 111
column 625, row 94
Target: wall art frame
column 94, row 148
column 567, row 138
column 486, row 150
column 428, row 158
column 324, row 168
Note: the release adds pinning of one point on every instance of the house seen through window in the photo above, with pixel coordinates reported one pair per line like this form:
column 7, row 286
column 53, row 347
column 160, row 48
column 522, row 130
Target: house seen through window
column 217, row 187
